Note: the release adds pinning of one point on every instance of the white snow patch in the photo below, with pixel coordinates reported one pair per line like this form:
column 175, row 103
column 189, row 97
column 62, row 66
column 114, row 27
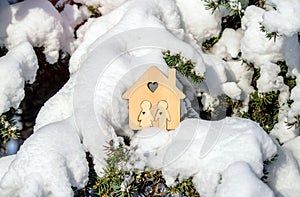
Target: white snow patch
column 284, row 174
column 232, row 90
column 240, row 180
column 179, row 153
column 47, row 164
column 5, row 163
column 37, row 22
column 202, row 24
column 16, row 67
column 242, row 75
column 215, row 74
column 293, row 146
column 74, row 15
column 108, row 5
column 269, row 79
column 291, row 51
column 285, row 19
column 255, row 47
column 228, row 46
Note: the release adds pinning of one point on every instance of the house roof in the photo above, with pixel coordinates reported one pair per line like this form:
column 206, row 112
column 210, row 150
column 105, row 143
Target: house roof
column 153, row 74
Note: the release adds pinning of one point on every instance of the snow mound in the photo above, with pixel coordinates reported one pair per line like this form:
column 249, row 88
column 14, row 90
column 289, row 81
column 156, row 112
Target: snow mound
column 275, row 20
column 228, row 46
column 20, row 25
column 202, row 24
column 234, row 177
column 178, row 153
column 46, row 167
column 18, row 66
column 255, row 47
column 284, row 174
column 74, row 15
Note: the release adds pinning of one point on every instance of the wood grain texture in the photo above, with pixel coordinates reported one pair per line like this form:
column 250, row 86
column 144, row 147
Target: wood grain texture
column 163, row 97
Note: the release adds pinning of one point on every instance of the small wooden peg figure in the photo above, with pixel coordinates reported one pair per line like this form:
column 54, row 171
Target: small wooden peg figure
column 162, row 114
column 145, row 118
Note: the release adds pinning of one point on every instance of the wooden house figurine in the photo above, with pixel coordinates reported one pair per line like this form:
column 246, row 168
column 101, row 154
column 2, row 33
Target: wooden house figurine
column 154, row 100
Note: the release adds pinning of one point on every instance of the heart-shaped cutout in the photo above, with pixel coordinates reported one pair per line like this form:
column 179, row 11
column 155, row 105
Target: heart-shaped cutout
column 152, row 86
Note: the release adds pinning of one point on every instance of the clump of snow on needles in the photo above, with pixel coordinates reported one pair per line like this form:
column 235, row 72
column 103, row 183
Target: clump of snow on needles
column 284, row 19
column 48, row 164
column 37, row 22
column 74, row 15
column 241, row 172
column 18, row 66
column 202, row 25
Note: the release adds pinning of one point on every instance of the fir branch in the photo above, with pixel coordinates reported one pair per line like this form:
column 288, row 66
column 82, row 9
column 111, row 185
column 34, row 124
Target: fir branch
column 8, row 129
column 269, row 35
column 268, row 162
column 183, row 66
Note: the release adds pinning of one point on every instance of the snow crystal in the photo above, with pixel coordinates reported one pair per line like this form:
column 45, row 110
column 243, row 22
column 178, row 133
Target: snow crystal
column 16, row 67
column 285, row 18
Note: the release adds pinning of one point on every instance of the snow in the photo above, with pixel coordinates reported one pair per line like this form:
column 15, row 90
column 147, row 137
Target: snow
column 242, row 75
column 18, row 66
column 228, row 46
column 293, row 146
column 202, row 24
column 4, row 164
column 107, row 5
column 225, row 158
column 232, row 90
column 241, row 172
column 74, row 15
column 295, row 96
column 62, row 102
column 101, row 94
column 178, row 153
column 46, row 167
column 275, row 20
column 215, row 74
column 269, row 79
column 291, row 51
column 284, row 174
column 51, row 33
column 255, row 47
